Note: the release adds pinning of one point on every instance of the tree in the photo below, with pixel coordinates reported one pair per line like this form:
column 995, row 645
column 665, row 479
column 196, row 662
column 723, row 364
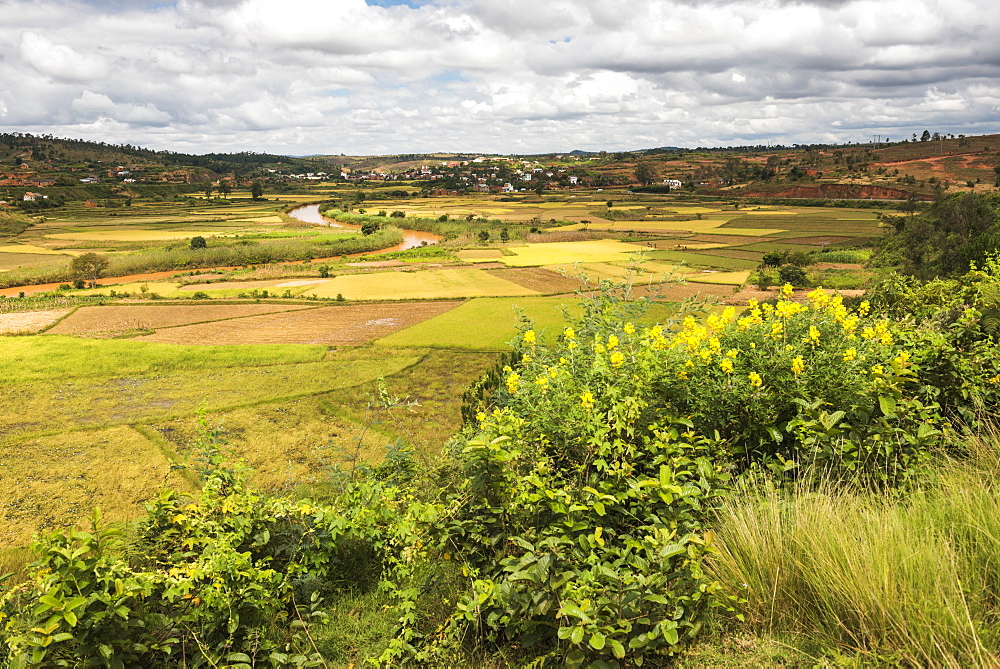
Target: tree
column 792, row 274
column 504, row 235
column 370, row 228
column 926, row 136
column 89, row 266
column 773, row 259
column 208, row 190
column 644, row 173
column 484, row 236
column 198, row 242
column 225, row 189
column 256, row 190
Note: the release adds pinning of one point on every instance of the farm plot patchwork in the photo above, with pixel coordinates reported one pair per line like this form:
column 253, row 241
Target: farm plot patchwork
column 331, row 326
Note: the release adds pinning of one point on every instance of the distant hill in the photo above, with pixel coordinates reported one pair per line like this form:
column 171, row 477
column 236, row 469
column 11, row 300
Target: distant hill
column 923, row 167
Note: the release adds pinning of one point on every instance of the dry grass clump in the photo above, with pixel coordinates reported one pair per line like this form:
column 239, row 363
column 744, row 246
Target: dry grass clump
column 55, row 481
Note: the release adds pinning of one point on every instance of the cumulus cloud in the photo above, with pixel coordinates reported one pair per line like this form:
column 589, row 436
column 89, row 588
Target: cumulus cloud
column 376, row 76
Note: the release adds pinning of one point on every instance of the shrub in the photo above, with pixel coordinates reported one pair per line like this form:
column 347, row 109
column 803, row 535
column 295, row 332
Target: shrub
column 211, row 581
column 198, row 242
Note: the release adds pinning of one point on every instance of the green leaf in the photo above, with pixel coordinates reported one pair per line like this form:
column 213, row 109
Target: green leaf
column 670, row 635
column 887, row 404
column 597, row 641
column 238, row 657
column 576, row 636
column 617, row 648
column 51, row 601
column 775, row 434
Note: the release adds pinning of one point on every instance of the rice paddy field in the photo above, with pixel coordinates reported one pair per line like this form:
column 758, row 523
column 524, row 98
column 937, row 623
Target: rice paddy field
column 286, row 359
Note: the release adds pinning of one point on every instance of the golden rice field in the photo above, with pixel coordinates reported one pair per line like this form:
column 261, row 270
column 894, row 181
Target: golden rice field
column 426, row 284
column 560, row 253
column 737, row 278
column 32, row 249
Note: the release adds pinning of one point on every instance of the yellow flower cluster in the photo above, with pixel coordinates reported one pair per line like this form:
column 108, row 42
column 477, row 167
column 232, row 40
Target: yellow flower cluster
column 512, row 380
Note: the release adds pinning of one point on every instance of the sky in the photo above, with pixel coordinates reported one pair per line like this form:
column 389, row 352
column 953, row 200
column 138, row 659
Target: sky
column 376, row 77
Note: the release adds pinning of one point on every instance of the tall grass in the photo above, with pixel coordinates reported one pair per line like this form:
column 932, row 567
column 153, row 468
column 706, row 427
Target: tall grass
column 911, row 579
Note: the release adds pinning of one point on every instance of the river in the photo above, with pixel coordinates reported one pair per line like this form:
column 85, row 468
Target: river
column 411, row 238
column 308, row 214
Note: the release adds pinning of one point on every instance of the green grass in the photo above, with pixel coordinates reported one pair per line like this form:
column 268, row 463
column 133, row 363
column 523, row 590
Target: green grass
column 704, row 260
column 66, row 383
column 463, row 326
column 54, row 357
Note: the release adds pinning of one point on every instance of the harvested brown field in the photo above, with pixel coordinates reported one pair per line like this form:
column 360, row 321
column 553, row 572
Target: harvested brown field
column 119, row 318
column 331, row 326
column 671, row 292
column 545, row 281
column 29, row 321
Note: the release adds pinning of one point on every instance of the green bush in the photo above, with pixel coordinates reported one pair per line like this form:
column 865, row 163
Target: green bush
column 211, row 581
